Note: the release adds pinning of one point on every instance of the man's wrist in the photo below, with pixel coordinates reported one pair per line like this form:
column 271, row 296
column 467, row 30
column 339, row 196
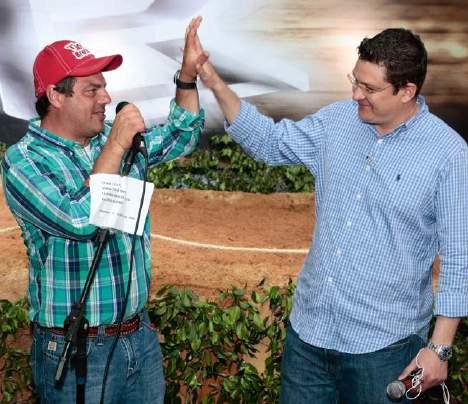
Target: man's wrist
column 185, row 77
column 184, row 81
column 443, row 351
column 114, row 147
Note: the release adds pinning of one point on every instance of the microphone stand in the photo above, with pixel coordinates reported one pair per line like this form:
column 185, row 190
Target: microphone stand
column 76, row 325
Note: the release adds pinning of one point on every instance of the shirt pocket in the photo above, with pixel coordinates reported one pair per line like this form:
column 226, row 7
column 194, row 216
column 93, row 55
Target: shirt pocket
column 409, row 194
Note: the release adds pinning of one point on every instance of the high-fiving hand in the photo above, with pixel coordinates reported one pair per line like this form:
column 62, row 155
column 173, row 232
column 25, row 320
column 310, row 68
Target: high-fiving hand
column 193, row 51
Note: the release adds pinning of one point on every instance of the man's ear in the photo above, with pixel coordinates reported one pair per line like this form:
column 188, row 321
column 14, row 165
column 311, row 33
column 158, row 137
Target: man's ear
column 55, row 98
column 408, row 92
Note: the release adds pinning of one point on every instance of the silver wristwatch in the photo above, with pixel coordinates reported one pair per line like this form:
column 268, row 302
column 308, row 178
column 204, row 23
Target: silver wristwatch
column 444, row 352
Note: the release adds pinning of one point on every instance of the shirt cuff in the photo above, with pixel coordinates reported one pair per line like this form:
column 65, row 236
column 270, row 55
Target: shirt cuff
column 182, row 118
column 451, row 304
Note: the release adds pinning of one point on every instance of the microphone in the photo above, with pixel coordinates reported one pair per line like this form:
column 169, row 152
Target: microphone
column 397, row 389
column 138, row 145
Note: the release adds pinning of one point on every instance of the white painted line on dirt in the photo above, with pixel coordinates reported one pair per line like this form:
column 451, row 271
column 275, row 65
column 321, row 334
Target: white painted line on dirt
column 225, row 247
column 8, row 229
column 205, row 245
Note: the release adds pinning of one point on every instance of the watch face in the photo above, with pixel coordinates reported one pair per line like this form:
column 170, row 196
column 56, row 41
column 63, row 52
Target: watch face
column 445, row 353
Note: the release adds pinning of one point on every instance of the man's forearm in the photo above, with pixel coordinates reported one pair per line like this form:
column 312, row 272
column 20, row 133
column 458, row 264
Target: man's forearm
column 444, row 330
column 110, row 159
column 188, row 98
column 227, row 100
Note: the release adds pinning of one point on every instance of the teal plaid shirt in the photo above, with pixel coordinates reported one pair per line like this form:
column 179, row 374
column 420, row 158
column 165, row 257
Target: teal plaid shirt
column 43, row 180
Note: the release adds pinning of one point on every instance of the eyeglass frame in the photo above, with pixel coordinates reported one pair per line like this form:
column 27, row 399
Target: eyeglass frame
column 355, row 83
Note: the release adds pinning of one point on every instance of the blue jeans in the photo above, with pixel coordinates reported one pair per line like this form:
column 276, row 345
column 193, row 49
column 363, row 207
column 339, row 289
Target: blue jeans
column 323, row 376
column 135, row 372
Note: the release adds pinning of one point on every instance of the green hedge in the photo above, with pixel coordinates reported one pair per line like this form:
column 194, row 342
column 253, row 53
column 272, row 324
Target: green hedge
column 223, row 351
column 225, row 167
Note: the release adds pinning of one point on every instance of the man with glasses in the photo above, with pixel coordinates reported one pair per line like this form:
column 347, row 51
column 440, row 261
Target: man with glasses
column 390, row 188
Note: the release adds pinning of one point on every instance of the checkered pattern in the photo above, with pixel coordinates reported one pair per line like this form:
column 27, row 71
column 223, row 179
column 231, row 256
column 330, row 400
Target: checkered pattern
column 386, row 206
column 43, row 177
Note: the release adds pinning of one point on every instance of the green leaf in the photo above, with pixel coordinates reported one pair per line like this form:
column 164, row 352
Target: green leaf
column 234, row 314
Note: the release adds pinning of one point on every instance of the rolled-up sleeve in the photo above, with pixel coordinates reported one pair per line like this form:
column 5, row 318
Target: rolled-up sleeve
column 451, row 298
column 179, row 136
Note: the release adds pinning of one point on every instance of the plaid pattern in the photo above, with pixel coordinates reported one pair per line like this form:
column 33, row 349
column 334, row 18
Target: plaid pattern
column 43, row 178
column 385, row 207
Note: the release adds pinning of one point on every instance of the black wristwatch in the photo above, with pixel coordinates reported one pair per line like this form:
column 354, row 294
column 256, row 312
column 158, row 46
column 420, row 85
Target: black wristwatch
column 444, row 352
column 183, row 85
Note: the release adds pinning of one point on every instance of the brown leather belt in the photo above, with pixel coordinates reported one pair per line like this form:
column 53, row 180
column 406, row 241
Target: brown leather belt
column 127, row 327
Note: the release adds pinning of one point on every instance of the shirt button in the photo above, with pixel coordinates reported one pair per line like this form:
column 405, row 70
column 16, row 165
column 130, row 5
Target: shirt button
column 348, row 223
column 379, row 141
column 338, row 252
column 330, row 279
column 358, row 196
column 367, row 168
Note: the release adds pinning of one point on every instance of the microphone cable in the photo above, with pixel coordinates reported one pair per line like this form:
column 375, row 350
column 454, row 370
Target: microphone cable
column 129, row 282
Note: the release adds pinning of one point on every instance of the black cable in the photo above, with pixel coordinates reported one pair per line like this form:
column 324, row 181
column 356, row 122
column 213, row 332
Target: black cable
column 129, row 282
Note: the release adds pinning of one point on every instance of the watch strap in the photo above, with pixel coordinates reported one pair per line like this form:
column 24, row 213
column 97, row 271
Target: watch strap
column 183, row 85
column 444, row 352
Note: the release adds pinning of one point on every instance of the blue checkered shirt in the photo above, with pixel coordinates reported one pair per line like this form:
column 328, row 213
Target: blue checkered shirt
column 386, row 206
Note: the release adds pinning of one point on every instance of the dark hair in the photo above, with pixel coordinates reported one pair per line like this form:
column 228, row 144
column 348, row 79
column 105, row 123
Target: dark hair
column 401, row 52
column 64, row 86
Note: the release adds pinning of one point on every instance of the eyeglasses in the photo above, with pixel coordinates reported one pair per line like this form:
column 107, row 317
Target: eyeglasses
column 355, row 83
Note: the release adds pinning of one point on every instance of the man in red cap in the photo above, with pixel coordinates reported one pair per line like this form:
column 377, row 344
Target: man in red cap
column 45, row 178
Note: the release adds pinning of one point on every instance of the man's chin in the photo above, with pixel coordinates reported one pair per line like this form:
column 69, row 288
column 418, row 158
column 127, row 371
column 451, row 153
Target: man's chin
column 365, row 114
column 99, row 127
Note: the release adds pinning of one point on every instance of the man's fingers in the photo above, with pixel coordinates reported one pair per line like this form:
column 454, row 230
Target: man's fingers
column 197, row 21
column 203, row 59
column 193, row 26
column 198, row 43
column 194, row 23
column 407, row 371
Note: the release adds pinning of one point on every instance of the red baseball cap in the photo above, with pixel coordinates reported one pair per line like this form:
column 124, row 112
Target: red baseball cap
column 66, row 58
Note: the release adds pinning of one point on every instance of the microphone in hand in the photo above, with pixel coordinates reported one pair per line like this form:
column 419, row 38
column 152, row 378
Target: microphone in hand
column 138, row 144
column 397, row 389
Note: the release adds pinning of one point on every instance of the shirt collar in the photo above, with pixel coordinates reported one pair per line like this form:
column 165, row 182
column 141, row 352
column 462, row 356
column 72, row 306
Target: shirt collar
column 37, row 130
column 423, row 109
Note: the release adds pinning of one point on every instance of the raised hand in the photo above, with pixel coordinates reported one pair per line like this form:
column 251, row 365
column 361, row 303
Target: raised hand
column 193, row 51
column 209, row 75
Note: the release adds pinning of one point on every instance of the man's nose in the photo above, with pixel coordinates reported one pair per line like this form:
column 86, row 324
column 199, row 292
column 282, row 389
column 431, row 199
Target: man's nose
column 105, row 97
column 358, row 93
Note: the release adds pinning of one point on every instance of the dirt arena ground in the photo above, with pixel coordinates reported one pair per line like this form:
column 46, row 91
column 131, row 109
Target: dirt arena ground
column 202, row 239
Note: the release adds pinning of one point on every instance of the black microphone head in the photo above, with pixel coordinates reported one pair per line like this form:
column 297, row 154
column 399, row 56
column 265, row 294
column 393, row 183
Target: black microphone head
column 138, row 142
column 396, row 390
column 120, row 105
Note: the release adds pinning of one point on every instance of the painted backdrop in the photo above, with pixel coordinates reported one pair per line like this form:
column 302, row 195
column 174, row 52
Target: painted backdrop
column 289, row 57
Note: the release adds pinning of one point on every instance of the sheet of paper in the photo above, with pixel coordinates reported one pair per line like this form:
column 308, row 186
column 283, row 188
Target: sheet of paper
column 115, row 201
